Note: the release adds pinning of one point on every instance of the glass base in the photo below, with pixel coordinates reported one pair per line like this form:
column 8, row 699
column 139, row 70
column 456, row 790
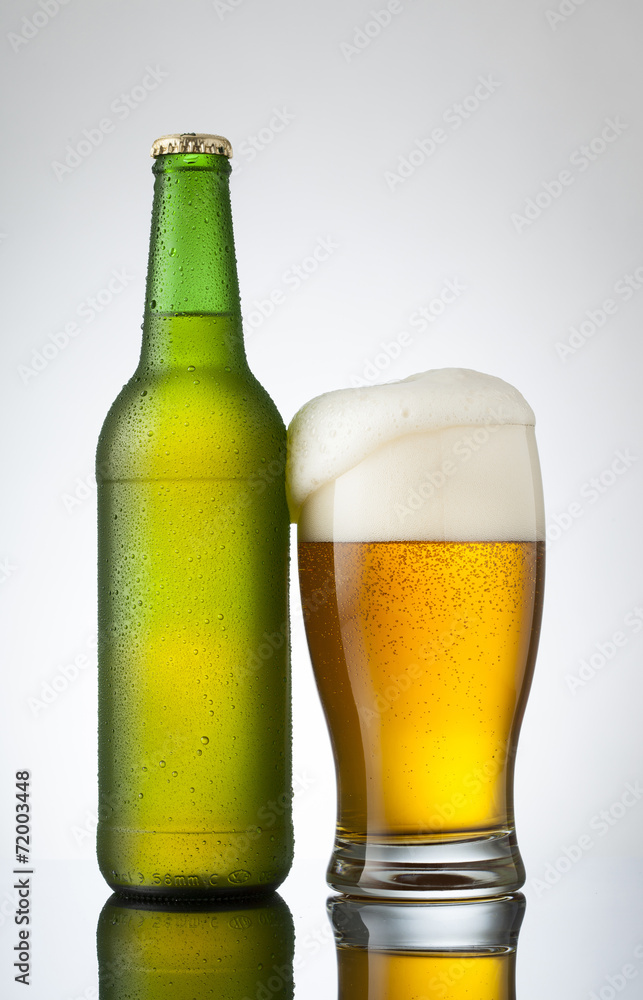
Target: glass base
column 469, row 867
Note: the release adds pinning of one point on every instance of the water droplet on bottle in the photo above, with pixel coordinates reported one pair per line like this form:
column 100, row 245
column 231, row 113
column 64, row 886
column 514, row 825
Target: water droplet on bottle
column 191, row 368
column 205, row 740
column 161, row 763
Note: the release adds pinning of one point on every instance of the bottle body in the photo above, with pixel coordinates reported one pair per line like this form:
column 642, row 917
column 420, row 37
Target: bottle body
column 194, row 689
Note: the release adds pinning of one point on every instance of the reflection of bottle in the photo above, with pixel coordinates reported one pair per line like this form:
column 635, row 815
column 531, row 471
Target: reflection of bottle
column 194, row 698
column 152, row 951
column 456, row 950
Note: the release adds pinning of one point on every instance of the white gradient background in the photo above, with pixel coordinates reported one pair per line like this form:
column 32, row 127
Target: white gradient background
column 322, row 176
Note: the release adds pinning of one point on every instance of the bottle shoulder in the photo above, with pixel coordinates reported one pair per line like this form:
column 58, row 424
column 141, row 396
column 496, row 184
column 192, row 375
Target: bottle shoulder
column 206, row 422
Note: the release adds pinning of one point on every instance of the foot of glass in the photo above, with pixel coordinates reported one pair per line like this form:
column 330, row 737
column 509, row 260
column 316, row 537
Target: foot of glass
column 469, row 867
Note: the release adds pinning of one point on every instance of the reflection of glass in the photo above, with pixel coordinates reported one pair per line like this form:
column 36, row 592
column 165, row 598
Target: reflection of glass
column 157, row 951
column 424, row 951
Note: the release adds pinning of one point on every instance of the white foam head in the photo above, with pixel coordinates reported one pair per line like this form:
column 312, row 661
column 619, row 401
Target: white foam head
column 444, row 455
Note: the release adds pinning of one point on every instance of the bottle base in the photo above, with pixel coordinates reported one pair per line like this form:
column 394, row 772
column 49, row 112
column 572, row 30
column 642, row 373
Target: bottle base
column 189, row 865
column 471, row 867
column 164, row 894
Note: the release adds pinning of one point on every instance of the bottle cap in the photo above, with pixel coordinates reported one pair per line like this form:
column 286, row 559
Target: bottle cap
column 191, row 142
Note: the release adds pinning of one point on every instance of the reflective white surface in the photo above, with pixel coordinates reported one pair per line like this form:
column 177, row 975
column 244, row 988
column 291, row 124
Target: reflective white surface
column 573, row 940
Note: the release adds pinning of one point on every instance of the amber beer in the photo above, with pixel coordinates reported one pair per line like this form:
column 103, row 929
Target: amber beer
column 424, row 644
column 424, row 740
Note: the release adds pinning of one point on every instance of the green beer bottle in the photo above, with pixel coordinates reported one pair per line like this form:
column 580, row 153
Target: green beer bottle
column 193, row 527
column 148, row 950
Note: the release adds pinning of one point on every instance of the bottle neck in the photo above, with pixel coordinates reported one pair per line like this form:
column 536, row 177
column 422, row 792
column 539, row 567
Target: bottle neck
column 192, row 313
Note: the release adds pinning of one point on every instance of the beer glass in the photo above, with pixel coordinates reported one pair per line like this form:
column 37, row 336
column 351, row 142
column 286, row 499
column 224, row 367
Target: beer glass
column 421, row 560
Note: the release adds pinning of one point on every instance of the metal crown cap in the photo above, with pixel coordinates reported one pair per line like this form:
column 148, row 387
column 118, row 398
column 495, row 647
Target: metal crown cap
column 191, row 142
